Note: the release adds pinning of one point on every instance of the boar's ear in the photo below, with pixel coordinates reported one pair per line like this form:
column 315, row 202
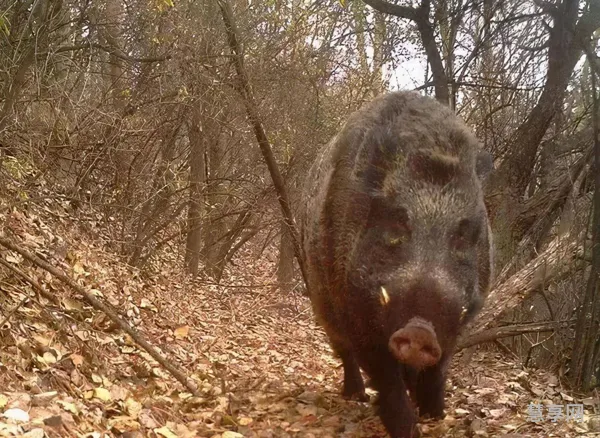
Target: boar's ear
column 382, row 150
column 484, row 164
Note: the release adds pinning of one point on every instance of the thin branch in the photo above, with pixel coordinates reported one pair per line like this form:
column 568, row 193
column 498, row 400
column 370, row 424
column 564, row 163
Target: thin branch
column 13, row 311
column 108, row 50
column 36, row 286
column 476, row 85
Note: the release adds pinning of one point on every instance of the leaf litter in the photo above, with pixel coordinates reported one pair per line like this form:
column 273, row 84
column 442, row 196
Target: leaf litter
column 264, row 368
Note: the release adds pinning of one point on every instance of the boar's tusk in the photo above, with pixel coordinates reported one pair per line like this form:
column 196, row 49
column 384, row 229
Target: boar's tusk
column 385, row 298
column 463, row 313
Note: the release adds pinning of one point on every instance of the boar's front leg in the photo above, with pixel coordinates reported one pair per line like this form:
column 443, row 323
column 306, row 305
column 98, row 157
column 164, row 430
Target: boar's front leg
column 396, row 412
column 354, row 387
column 430, row 391
column 394, row 406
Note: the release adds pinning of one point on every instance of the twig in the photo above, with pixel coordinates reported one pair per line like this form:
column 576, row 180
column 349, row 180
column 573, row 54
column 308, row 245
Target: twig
column 12, row 312
column 36, row 286
column 112, row 51
column 175, row 370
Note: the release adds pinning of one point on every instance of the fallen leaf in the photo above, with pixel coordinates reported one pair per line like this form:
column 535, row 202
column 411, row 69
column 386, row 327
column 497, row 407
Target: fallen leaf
column 496, row 413
column 78, row 268
column 49, row 358
column 35, row 433
column 42, row 340
column 12, row 259
column 16, row 414
column 566, row 397
column 77, row 359
column 166, row 432
column 133, row 407
column 96, row 378
column 43, row 399
column 69, row 407
column 245, row 421
column 182, row 332
column 230, row 434
column 84, row 335
column 146, row 304
column 102, row 394
column 72, row 304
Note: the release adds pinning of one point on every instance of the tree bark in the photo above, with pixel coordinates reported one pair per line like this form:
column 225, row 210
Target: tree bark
column 380, row 53
column 227, row 249
column 285, row 267
column 156, row 206
column 215, row 227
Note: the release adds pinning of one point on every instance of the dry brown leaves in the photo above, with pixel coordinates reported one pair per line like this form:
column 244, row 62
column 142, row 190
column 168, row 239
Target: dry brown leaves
column 264, row 368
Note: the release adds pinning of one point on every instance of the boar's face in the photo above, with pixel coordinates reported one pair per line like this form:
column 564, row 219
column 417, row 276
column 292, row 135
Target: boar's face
column 416, row 259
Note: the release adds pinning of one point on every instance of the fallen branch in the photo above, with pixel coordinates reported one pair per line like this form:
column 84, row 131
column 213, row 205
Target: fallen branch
column 175, row 371
column 544, row 268
column 36, row 286
column 496, row 333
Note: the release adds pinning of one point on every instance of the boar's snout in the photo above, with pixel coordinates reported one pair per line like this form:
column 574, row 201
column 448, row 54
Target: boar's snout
column 416, row 344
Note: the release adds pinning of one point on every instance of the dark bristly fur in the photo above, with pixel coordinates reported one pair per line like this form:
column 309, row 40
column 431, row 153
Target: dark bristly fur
column 394, row 230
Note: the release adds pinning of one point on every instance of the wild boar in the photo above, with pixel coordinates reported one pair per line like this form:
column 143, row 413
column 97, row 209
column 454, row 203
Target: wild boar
column 398, row 249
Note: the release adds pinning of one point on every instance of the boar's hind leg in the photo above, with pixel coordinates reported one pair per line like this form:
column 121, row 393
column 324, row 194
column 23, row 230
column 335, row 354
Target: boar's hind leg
column 430, row 391
column 354, row 387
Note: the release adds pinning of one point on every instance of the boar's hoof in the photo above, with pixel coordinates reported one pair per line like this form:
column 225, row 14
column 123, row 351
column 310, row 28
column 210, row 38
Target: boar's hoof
column 355, row 395
column 354, row 388
column 416, row 344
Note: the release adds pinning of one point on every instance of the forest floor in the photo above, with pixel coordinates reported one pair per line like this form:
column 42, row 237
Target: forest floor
column 263, row 367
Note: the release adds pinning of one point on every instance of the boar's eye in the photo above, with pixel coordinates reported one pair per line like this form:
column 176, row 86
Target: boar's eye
column 390, row 222
column 396, row 234
column 466, row 234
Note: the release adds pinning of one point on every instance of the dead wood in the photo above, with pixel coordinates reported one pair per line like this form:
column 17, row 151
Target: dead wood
column 496, row 333
column 557, row 257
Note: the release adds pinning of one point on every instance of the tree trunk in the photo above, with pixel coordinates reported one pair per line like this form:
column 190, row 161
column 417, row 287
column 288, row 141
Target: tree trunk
column 358, row 13
column 214, row 226
column 420, row 16
column 586, row 351
column 226, row 248
column 507, row 185
column 157, row 204
column 285, row 267
column 197, row 182
column 38, row 40
column 553, row 262
column 245, row 90
column 380, row 53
